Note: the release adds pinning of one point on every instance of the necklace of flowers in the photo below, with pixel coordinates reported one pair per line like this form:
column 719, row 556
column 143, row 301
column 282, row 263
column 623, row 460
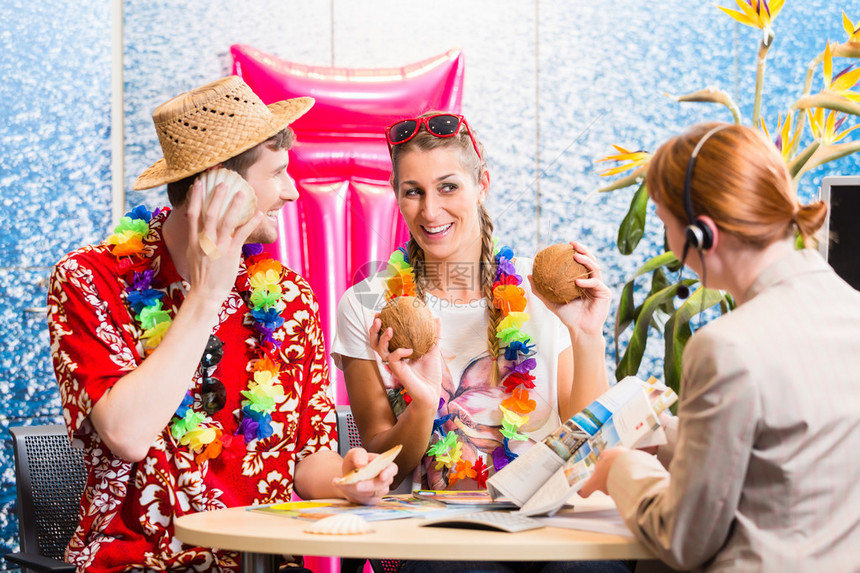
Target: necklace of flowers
column 190, row 426
column 510, row 298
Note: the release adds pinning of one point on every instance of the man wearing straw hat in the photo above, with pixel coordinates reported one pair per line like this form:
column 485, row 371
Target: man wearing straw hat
column 191, row 365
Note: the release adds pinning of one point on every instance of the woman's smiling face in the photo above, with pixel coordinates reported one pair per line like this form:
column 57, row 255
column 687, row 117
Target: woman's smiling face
column 439, row 197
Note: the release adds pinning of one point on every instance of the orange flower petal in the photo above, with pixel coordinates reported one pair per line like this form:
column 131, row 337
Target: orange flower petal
column 401, row 284
column 509, row 298
column 264, row 265
column 212, row 451
column 131, row 246
column 265, row 364
column 520, row 402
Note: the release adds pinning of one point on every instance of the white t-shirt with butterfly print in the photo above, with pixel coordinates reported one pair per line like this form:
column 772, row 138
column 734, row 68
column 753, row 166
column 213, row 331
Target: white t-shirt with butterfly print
column 463, row 343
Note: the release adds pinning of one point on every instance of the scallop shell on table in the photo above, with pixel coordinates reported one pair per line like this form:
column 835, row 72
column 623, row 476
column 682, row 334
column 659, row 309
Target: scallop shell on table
column 234, row 182
column 341, row 524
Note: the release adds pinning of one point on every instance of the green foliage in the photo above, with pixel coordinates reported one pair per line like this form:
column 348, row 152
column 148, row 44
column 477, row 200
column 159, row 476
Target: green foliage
column 659, row 308
column 678, row 332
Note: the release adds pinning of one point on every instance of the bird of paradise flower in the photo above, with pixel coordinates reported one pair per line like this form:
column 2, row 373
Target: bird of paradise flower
column 840, row 101
column 853, row 31
column 784, row 140
column 637, row 160
column 756, row 13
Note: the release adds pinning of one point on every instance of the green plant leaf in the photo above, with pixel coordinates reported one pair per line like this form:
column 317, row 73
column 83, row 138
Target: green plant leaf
column 627, row 310
column 711, row 95
column 845, row 50
column 678, row 331
column 675, row 266
column 795, row 166
column 633, row 226
column 658, row 283
column 799, row 244
column 661, row 260
column 625, row 315
column 632, row 358
column 825, row 154
column 828, row 101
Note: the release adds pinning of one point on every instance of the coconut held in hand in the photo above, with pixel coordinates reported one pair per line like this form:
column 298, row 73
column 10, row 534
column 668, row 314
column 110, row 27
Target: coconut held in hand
column 555, row 272
column 412, row 323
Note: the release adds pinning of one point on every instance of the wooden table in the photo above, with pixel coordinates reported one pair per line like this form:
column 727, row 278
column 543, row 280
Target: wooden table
column 261, row 537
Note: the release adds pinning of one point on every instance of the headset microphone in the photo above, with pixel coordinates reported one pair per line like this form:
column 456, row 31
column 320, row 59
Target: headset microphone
column 683, row 291
column 697, row 234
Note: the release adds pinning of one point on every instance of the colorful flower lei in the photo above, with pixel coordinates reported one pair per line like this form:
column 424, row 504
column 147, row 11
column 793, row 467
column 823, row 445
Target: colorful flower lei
column 190, row 427
column 510, row 298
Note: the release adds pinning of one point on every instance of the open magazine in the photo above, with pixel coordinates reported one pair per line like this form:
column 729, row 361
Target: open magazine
column 479, row 499
column 390, row 507
column 542, row 479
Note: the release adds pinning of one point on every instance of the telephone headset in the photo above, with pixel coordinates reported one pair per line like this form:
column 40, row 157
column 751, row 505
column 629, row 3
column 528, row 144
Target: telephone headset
column 697, row 234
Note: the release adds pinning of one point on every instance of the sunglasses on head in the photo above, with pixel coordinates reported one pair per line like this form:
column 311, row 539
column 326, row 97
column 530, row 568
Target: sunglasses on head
column 440, row 125
column 213, row 395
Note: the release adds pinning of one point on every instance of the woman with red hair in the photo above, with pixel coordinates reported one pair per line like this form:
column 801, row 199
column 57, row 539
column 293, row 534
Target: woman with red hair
column 761, row 467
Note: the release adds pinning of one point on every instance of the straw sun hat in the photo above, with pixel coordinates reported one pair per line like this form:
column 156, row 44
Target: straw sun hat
column 208, row 125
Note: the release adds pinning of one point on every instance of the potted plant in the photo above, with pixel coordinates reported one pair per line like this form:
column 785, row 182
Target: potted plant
column 826, row 113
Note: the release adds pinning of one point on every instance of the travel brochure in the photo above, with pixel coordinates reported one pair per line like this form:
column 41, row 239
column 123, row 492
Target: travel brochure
column 542, row 479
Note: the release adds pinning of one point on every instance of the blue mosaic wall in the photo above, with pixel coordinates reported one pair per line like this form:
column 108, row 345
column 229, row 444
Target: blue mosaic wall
column 55, row 181
column 564, row 80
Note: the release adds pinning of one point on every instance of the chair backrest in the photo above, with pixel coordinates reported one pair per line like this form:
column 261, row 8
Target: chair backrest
column 348, row 437
column 50, row 477
column 347, row 432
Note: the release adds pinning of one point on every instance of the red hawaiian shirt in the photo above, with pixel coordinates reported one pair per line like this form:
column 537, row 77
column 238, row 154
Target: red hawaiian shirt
column 128, row 509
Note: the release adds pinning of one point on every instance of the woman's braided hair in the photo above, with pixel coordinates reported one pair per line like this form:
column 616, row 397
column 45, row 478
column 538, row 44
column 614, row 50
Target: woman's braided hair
column 425, row 141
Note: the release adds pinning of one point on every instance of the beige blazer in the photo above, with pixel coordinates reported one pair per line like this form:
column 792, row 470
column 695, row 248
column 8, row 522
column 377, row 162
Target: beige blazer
column 765, row 474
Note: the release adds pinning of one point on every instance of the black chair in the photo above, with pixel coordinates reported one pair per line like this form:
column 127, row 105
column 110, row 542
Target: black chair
column 348, row 437
column 347, row 432
column 50, row 477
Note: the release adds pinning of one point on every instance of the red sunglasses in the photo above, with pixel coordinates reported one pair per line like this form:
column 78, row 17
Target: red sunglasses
column 440, row 125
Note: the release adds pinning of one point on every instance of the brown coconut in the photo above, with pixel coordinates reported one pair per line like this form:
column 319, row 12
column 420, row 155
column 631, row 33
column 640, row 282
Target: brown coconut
column 412, row 323
column 555, row 272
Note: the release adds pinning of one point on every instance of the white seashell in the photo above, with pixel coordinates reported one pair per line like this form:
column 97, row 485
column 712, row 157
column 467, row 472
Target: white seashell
column 235, row 182
column 340, row 524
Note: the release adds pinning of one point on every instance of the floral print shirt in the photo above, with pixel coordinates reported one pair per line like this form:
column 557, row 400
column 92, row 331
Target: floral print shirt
column 128, row 509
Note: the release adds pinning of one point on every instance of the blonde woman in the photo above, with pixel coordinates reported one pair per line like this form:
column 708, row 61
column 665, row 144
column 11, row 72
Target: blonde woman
column 508, row 366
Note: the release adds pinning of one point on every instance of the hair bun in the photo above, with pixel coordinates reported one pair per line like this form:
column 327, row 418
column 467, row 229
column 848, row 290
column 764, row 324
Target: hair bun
column 810, row 218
